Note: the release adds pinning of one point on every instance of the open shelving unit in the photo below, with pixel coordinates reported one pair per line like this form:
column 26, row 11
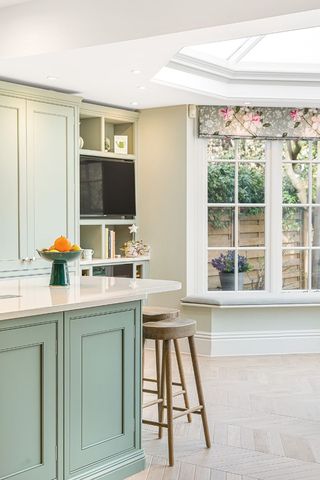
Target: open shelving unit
column 96, row 124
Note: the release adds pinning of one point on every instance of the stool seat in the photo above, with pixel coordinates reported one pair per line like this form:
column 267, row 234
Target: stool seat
column 169, row 330
column 154, row 314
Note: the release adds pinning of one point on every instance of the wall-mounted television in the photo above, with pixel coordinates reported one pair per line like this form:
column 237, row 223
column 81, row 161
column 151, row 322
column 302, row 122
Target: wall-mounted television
column 107, row 187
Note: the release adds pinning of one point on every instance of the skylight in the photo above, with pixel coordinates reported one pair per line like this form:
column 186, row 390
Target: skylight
column 222, row 50
column 297, row 47
column 267, row 69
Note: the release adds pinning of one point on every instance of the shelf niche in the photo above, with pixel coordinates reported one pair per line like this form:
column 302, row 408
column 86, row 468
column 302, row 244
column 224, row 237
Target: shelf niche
column 94, row 236
column 98, row 123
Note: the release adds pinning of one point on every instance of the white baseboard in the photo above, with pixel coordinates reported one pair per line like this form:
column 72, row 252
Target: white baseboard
column 275, row 342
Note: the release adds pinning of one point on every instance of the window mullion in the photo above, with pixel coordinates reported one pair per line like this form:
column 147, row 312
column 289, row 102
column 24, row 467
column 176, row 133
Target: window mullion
column 275, row 216
column 309, row 283
column 236, row 218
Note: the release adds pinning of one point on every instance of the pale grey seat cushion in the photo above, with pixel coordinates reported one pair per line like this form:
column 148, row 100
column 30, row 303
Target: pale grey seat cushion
column 256, row 299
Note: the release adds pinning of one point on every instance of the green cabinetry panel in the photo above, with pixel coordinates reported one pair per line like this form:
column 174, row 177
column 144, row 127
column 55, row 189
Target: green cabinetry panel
column 28, row 400
column 102, row 389
column 70, row 395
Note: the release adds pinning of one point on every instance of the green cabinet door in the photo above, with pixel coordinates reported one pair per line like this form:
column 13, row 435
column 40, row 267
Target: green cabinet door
column 102, row 388
column 28, row 401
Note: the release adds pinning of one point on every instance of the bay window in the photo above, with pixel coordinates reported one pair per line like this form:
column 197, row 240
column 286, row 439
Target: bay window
column 259, row 229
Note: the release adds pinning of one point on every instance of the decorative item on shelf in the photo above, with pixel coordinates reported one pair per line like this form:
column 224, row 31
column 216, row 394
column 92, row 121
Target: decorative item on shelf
column 87, row 254
column 81, row 142
column 60, row 253
column 107, row 144
column 225, row 266
column 133, row 230
column 110, row 243
column 132, row 249
column 121, row 144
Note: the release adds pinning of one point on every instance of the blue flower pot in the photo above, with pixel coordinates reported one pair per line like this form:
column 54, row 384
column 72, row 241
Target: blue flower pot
column 227, row 281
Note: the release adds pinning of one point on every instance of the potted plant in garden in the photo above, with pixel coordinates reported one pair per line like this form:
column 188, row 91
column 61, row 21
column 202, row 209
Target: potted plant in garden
column 225, row 266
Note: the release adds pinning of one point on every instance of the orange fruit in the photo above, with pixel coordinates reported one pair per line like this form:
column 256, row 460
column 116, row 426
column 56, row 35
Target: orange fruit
column 62, row 244
column 75, row 247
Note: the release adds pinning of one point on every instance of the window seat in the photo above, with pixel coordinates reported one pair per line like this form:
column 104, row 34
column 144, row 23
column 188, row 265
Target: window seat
column 256, row 300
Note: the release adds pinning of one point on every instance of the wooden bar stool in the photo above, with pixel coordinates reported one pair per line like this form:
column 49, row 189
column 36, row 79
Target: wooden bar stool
column 167, row 331
column 156, row 314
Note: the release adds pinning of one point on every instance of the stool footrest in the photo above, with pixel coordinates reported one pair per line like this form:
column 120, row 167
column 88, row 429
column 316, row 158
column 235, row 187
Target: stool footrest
column 149, row 380
column 152, row 402
column 186, row 411
column 176, row 394
column 154, row 380
column 147, row 390
column 155, row 424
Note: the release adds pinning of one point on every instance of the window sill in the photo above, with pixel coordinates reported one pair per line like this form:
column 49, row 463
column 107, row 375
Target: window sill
column 256, row 300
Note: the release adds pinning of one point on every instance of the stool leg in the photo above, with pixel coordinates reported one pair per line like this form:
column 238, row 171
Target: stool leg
column 167, row 347
column 199, row 390
column 162, row 388
column 158, row 373
column 182, row 377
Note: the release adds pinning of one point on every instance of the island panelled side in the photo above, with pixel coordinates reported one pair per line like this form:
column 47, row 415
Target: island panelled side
column 70, row 395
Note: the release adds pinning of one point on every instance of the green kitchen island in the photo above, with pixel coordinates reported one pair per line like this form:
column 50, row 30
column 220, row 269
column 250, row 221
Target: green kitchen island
column 70, row 378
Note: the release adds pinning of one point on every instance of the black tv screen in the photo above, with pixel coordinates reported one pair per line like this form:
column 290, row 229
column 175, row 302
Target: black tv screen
column 107, row 187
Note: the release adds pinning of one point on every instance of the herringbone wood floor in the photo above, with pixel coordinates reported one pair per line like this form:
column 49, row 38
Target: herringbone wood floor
column 264, row 417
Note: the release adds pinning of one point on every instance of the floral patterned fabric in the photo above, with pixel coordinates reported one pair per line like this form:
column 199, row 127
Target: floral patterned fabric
column 261, row 122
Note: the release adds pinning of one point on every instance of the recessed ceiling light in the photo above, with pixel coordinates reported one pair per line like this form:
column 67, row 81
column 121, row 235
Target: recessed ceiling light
column 51, row 77
column 134, row 104
column 135, row 71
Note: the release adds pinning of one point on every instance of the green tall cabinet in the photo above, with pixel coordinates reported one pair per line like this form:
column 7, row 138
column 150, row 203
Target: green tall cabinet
column 70, row 395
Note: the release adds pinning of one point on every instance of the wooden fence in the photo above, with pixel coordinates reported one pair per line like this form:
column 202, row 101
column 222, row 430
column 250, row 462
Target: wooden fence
column 251, row 234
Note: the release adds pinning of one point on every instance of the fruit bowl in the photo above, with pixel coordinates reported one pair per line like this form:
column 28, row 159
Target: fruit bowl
column 59, row 271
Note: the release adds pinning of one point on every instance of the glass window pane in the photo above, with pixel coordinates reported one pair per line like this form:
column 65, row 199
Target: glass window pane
column 316, row 183
column 295, row 183
column 251, row 183
column 221, row 182
column 295, row 227
column 315, row 268
column 252, row 149
column 295, row 270
column 296, row 150
column 221, row 149
column 220, row 227
column 254, row 277
column 251, row 227
column 315, row 227
column 221, row 271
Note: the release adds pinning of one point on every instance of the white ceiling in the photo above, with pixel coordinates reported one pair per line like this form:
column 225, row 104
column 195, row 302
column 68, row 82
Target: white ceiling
column 92, row 47
column 8, row 3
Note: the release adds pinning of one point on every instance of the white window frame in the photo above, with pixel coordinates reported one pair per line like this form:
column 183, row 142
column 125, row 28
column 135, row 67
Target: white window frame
column 197, row 225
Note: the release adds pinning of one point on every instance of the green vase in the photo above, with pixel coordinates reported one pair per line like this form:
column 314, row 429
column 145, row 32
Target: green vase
column 59, row 274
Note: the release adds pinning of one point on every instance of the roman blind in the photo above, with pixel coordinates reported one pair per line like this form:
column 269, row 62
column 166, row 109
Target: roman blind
column 270, row 123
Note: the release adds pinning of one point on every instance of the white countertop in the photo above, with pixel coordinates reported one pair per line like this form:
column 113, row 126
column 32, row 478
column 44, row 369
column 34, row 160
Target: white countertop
column 37, row 298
